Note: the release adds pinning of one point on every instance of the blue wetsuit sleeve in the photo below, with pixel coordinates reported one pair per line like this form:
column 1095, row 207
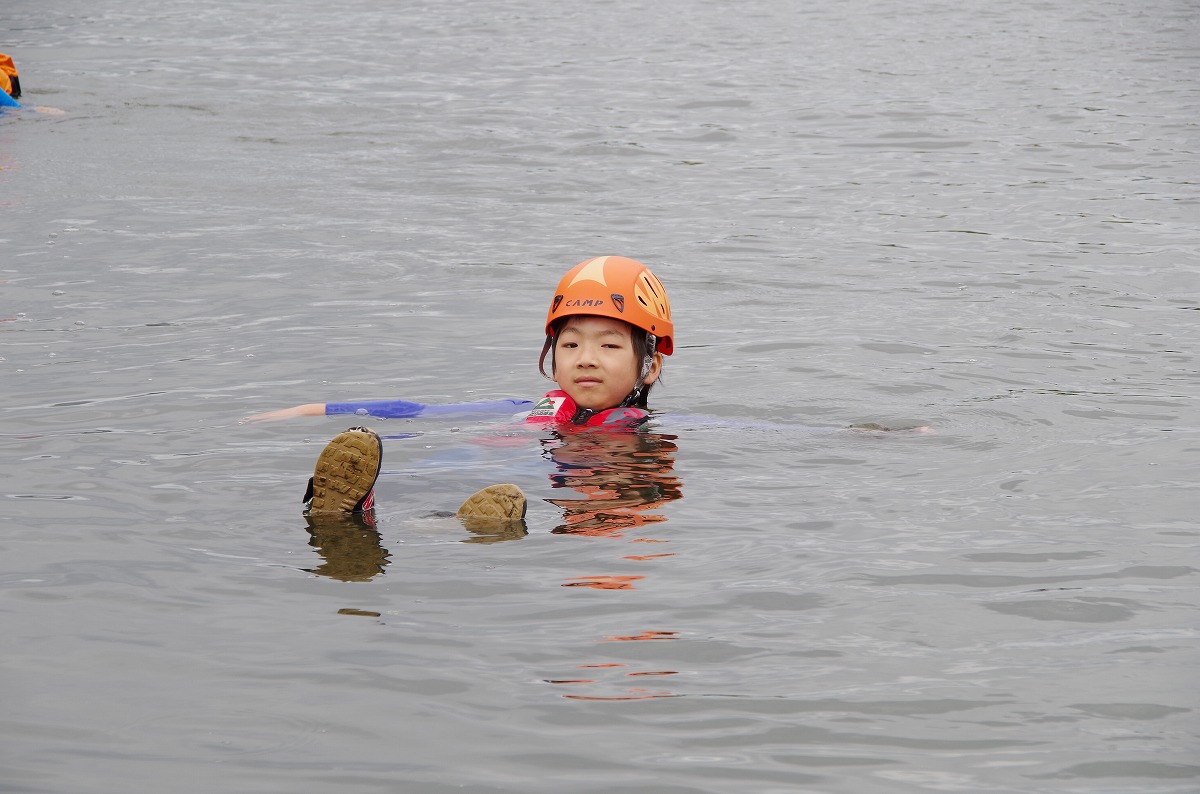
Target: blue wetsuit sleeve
column 403, row 409
column 506, row 407
column 389, row 409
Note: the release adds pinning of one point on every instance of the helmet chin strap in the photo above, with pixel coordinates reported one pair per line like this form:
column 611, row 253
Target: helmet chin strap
column 635, row 396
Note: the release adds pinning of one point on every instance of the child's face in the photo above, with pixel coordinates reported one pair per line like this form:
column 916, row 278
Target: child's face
column 595, row 363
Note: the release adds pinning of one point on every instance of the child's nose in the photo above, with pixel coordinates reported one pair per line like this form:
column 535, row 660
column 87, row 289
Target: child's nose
column 587, row 356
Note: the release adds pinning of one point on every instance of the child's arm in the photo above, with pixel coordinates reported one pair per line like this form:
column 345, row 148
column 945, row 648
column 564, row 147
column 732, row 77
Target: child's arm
column 395, row 409
column 308, row 409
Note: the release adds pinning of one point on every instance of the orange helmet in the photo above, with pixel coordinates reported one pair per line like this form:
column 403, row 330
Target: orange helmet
column 616, row 287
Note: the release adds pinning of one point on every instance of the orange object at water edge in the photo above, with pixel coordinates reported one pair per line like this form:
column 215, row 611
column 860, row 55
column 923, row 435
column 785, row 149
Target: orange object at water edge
column 9, row 81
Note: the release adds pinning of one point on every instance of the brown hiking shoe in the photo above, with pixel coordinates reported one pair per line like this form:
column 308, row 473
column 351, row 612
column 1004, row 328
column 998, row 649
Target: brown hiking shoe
column 344, row 479
column 497, row 503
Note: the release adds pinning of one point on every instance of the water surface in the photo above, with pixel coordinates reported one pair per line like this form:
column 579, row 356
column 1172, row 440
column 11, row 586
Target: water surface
column 976, row 217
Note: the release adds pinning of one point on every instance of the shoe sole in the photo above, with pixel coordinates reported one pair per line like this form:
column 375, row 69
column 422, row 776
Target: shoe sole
column 495, row 503
column 346, row 471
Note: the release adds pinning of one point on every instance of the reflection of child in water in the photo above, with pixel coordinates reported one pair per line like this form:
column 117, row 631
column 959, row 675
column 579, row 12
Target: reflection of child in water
column 607, row 329
column 620, row 475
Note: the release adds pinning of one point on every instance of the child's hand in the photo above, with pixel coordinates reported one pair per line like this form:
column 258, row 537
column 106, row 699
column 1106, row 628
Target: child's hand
column 308, row 409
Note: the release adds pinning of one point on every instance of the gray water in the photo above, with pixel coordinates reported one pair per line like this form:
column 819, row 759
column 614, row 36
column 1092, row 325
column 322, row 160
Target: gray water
column 979, row 217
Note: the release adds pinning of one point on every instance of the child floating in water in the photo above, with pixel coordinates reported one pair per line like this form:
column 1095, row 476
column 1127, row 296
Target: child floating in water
column 607, row 330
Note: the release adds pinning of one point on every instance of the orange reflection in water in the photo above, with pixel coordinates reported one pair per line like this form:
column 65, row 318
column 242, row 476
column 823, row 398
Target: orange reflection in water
column 621, row 475
column 649, row 695
column 645, row 635
column 623, row 478
column 628, row 693
column 603, row 582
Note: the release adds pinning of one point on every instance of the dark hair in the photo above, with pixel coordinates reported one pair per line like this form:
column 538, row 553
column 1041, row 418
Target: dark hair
column 644, row 345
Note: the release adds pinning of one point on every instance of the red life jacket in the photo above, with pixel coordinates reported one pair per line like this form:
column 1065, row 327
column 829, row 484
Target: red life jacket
column 559, row 408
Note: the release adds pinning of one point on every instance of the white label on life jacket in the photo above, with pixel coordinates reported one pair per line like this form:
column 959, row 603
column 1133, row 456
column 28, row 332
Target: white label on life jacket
column 547, row 406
